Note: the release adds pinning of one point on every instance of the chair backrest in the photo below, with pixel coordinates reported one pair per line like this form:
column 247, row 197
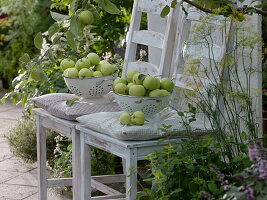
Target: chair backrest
column 151, row 38
column 184, row 82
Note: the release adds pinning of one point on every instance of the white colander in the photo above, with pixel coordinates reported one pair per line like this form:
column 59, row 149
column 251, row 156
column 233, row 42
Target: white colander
column 92, row 86
column 148, row 105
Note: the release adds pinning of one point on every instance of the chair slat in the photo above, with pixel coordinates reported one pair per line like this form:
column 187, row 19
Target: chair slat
column 144, row 67
column 151, row 6
column 149, row 38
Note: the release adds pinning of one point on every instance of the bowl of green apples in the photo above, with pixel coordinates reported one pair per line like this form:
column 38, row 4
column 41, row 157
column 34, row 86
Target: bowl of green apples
column 140, row 92
column 89, row 77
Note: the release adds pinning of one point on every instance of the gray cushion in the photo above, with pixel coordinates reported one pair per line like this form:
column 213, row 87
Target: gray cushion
column 108, row 123
column 55, row 104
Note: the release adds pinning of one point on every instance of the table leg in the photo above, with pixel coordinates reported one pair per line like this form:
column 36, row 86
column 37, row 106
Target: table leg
column 85, row 169
column 41, row 160
column 131, row 175
column 76, row 160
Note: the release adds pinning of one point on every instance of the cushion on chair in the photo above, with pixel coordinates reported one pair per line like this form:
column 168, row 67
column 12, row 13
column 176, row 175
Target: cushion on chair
column 56, row 105
column 108, row 123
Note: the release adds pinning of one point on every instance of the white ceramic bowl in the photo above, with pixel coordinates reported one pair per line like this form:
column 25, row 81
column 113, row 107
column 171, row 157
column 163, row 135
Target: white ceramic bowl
column 149, row 105
column 92, row 86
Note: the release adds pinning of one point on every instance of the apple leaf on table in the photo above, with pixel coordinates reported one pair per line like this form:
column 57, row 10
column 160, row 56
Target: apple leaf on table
column 72, row 101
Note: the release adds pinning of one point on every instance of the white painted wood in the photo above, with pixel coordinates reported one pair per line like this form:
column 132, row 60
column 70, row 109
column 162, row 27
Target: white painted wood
column 155, row 23
column 152, row 6
column 131, row 180
column 118, row 178
column 59, row 182
column 103, row 188
column 170, row 42
column 85, row 169
column 144, row 67
column 41, row 160
column 106, row 197
column 149, row 38
column 129, row 150
column 130, row 53
column 66, row 128
column 76, row 166
column 97, row 139
column 164, row 41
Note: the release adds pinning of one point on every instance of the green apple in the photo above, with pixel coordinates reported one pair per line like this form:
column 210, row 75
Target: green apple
column 125, row 118
column 136, row 80
column 85, row 72
column 119, row 80
column 103, row 62
column 86, row 17
column 121, row 88
column 65, row 72
column 97, row 68
column 97, row 74
column 67, row 63
column 108, row 69
column 164, row 92
column 72, row 72
column 137, row 90
column 94, row 58
column 151, row 83
column 155, row 93
column 83, row 63
column 167, row 84
column 129, row 85
column 130, row 75
column 138, row 118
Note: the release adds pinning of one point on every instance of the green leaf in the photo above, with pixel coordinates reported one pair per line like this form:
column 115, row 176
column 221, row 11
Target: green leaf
column 51, row 55
column 74, row 5
column 74, row 25
column 59, row 17
column 165, row 11
column 110, row 7
column 71, row 41
column 142, row 77
column 173, row 4
column 181, row 114
column 25, row 58
column 72, row 101
column 53, row 29
column 38, row 75
column 212, row 187
column 38, row 40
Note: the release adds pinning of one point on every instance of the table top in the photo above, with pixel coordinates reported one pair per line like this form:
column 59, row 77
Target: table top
column 68, row 123
column 127, row 143
column 107, row 138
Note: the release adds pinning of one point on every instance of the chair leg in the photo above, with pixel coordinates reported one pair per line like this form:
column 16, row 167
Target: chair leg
column 131, row 175
column 41, row 160
column 76, row 160
column 85, row 169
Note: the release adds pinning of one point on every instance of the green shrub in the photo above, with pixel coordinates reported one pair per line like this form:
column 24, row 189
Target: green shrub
column 22, row 140
column 182, row 174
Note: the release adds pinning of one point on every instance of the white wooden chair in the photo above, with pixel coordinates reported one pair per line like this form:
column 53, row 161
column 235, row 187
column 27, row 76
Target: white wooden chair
column 151, row 38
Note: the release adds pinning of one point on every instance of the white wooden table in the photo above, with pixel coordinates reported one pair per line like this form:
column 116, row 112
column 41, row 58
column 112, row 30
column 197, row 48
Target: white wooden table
column 131, row 151
column 67, row 128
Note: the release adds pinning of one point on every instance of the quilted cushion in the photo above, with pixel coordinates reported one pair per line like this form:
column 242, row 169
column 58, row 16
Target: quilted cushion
column 108, row 123
column 55, row 104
